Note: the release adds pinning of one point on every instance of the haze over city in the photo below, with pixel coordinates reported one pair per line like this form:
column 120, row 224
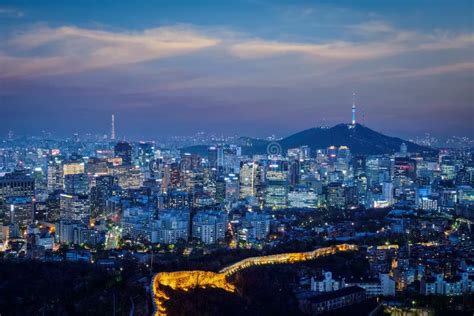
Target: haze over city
column 246, row 67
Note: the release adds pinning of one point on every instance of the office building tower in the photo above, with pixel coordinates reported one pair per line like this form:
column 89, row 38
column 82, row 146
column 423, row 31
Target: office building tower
column 146, row 153
column 73, row 167
column 21, row 210
column 124, row 150
column 248, row 178
column 335, row 196
column 404, row 168
column 55, row 181
column 387, row 192
column 75, row 208
column 232, row 192
column 358, row 165
column 17, row 184
column 105, row 187
column 276, row 191
column 294, row 172
column 128, row 177
column 76, row 184
column 212, row 157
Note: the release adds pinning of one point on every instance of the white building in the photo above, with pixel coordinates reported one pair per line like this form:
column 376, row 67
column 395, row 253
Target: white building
column 209, row 226
column 326, row 283
column 384, row 285
column 257, row 226
column 437, row 284
column 303, row 199
column 172, row 226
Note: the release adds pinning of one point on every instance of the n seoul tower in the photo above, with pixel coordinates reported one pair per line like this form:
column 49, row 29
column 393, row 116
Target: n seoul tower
column 353, row 110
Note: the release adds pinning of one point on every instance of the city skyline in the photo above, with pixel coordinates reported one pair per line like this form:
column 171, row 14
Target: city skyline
column 247, row 157
column 248, row 68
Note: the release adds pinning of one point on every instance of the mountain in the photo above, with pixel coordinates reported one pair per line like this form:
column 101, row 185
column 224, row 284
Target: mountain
column 360, row 140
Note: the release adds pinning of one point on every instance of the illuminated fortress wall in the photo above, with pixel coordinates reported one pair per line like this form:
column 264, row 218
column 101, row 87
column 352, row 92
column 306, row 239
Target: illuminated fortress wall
column 185, row 280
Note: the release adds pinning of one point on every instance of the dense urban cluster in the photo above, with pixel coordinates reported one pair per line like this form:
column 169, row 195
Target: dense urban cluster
column 409, row 212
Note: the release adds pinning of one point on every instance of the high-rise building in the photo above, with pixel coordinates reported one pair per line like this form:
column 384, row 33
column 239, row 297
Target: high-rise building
column 231, row 188
column 146, row 153
column 248, row 178
column 55, row 181
column 276, row 191
column 173, row 225
column 220, row 157
column 76, row 184
column 448, row 168
column 129, row 177
column 232, row 156
column 404, row 168
column 21, row 210
column 294, row 172
column 212, row 156
column 358, row 165
column 75, row 208
column 17, row 184
column 220, row 189
column 209, row 226
column 124, row 150
column 257, row 225
column 101, row 192
column 73, row 167
column 303, row 198
column 335, row 195
column 387, row 192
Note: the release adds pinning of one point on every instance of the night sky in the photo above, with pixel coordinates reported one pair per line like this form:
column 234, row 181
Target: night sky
column 250, row 67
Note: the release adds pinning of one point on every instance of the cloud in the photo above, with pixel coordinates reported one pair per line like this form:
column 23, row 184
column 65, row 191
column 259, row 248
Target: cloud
column 379, row 40
column 440, row 70
column 45, row 50
column 11, row 13
column 337, row 50
column 72, row 49
column 373, row 27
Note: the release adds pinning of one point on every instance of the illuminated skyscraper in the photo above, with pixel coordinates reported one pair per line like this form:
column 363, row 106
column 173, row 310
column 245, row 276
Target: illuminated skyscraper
column 276, row 193
column 75, row 208
column 212, row 156
column 248, row 173
column 103, row 190
column 146, row 153
column 55, row 174
column 16, row 184
column 335, row 195
column 72, row 168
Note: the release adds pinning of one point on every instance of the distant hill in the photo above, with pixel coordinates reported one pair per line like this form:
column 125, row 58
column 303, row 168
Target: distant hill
column 201, row 150
column 360, row 140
